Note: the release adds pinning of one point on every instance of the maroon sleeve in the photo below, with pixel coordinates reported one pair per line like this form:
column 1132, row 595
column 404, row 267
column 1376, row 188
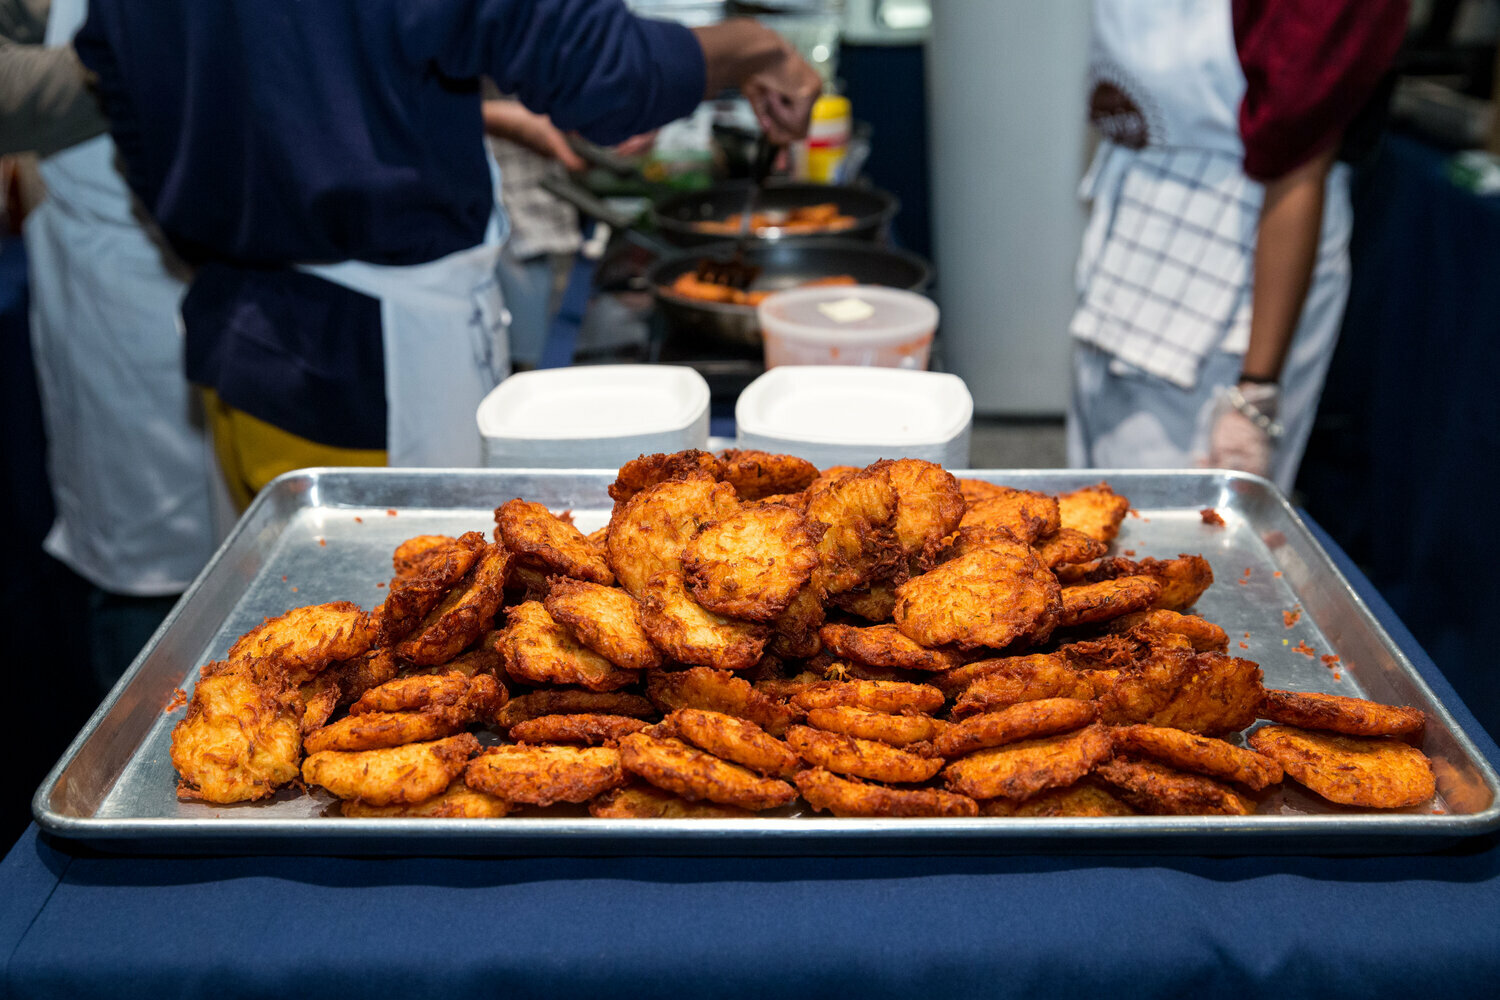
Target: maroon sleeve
column 1310, row 66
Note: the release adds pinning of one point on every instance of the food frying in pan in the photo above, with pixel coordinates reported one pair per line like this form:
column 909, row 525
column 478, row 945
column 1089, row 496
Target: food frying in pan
column 691, row 286
column 823, row 217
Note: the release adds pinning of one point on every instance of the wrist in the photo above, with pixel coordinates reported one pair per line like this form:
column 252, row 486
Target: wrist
column 1253, row 378
column 736, row 49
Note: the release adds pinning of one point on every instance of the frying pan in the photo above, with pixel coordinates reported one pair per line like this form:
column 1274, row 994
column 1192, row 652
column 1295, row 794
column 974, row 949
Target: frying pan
column 676, row 214
column 783, row 263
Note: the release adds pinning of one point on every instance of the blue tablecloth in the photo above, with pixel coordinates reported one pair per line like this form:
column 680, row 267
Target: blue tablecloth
column 76, row 924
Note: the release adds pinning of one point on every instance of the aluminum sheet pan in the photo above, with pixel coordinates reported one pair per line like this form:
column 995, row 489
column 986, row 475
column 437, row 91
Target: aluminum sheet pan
column 327, row 534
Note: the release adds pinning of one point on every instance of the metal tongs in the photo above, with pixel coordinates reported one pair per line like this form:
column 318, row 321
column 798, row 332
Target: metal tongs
column 737, row 272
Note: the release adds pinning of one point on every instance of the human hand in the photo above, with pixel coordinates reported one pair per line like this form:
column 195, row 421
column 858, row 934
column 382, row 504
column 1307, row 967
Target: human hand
column 1244, row 431
column 782, row 95
column 513, row 121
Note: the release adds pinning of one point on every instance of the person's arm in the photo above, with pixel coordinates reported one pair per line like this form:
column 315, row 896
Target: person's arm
column 510, row 120
column 45, row 103
column 775, row 79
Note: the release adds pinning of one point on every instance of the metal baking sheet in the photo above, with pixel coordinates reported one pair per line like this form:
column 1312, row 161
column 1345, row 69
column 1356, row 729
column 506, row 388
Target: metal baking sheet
column 327, row 534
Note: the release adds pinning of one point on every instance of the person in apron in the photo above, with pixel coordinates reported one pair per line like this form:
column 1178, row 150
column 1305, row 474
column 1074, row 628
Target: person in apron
column 131, row 473
column 1215, row 266
column 323, row 168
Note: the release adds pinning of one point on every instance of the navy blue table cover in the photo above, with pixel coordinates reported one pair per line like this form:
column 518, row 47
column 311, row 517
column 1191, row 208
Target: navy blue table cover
column 77, row 923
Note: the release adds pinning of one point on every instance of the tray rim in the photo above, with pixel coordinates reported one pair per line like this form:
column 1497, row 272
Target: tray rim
column 1337, row 833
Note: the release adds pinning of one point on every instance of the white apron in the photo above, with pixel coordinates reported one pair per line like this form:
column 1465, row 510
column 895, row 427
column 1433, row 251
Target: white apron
column 443, row 327
column 1164, row 275
column 130, row 466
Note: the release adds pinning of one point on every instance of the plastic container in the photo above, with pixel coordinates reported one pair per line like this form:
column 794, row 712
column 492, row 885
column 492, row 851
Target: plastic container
column 847, row 325
column 834, row 415
column 592, row 417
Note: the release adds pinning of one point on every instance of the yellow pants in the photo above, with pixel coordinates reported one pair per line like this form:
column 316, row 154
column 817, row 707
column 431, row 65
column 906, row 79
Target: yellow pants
column 252, row 452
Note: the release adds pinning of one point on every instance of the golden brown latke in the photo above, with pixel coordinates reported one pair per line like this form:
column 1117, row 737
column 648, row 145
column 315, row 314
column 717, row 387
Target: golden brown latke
column 379, row 730
column 537, row 650
column 414, row 692
column 1203, row 754
column 1204, row 635
column 459, row 801
column 794, row 633
column 1024, row 721
column 752, row 563
column 877, row 696
column 692, row 774
column 642, row 473
column 758, row 475
column 320, row 699
column 649, row 802
column 1183, row 580
column 974, row 490
column 738, row 741
column 859, row 545
column 929, row 507
column 401, row 775
column 718, row 691
column 424, row 573
column 544, row 540
column 1094, row 510
column 465, row 613
column 1021, row 770
column 861, row 758
column 897, row 730
column 592, row 729
column 844, row 797
column 648, row 532
column 1026, row 514
column 1159, row 790
column 541, row 776
column 1011, row 680
column 355, row 677
column 301, row 642
column 241, row 738
column 990, row 597
column 1083, row 798
column 885, row 646
column 1378, row 772
column 572, row 701
column 1067, row 547
column 1107, row 599
column 1339, row 714
column 687, row 632
column 606, row 620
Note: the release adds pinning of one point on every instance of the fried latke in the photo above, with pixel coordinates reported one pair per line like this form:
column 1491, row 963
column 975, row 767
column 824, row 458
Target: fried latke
column 1163, row 791
column 537, row 650
column 1094, row 510
column 241, row 738
column 1378, row 772
column 379, row 730
column 861, row 758
column 1203, row 754
column 1015, row 679
column 1084, row 798
column 605, row 619
column 738, row 741
column 752, row 563
column 672, row 765
column 649, row 802
column 572, row 701
column 1204, row 635
column 414, row 692
column 591, row 729
column 929, row 507
column 459, row 801
column 1107, row 599
column 718, row 691
column 987, row 598
column 648, row 532
column 1067, row 547
column 1021, row 770
column 1024, row 513
column 542, row 776
column 883, row 727
column 425, row 572
column 756, row 475
column 547, row 542
column 794, row 633
column 1027, row 720
column 859, row 543
column 687, row 632
column 642, row 473
column 1339, row 714
column 465, row 613
column 301, row 642
column 845, row 797
column 399, row 775
column 877, row 696
column 885, row 646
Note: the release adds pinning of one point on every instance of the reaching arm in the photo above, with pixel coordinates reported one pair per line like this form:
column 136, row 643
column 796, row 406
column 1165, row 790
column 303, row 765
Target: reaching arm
column 45, row 104
column 776, row 80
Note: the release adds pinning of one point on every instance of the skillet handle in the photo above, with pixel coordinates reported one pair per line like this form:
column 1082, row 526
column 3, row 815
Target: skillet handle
column 592, row 205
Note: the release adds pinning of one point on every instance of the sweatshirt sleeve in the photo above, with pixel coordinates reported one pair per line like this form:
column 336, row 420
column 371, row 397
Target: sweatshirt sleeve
column 1310, row 67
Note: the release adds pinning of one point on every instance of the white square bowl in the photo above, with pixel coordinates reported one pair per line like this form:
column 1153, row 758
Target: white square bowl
column 592, row 417
column 836, row 415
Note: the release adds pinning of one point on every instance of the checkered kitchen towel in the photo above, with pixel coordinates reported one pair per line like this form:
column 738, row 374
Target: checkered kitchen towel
column 1165, row 273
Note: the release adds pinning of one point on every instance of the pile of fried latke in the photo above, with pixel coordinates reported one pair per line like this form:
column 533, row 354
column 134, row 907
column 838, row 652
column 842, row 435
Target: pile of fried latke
column 751, row 633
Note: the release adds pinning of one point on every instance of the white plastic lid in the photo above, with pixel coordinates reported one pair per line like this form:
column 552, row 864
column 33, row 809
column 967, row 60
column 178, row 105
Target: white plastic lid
column 836, row 404
column 593, row 401
column 855, row 314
